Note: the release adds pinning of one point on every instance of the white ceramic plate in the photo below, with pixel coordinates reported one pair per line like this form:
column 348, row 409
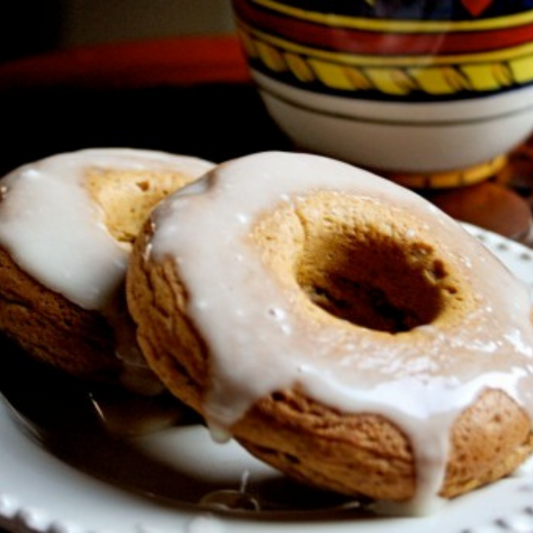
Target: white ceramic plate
column 61, row 473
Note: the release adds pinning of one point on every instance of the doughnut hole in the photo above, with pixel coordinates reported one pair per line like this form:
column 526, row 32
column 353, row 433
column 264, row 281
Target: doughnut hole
column 364, row 266
column 369, row 280
column 127, row 197
column 354, row 260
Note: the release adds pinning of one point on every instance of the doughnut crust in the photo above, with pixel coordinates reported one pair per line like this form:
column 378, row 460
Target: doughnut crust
column 53, row 329
column 306, row 248
column 45, row 323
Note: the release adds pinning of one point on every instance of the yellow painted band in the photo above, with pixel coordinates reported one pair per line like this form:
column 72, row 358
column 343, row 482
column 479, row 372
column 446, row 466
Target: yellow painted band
column 400, row 26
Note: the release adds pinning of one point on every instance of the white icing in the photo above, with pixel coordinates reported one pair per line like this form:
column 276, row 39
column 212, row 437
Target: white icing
column 257, row 344
column 56, row 233
column 44, row 219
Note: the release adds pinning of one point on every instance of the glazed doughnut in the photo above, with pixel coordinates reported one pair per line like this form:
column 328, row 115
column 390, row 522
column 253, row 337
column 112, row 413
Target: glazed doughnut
column 67, row 224
column 340, row 327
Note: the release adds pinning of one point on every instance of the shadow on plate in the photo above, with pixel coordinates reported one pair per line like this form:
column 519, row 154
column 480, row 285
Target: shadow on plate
column 178, row 465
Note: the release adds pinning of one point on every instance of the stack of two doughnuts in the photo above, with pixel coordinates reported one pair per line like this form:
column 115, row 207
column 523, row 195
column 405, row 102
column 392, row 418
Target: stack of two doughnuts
column 338, row 326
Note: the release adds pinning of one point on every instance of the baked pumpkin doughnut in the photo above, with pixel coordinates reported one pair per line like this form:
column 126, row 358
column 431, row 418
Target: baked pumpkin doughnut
column 340, row 327
column 67, row 224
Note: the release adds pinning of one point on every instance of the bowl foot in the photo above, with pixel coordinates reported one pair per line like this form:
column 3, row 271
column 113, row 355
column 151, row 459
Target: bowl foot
column 449, row 179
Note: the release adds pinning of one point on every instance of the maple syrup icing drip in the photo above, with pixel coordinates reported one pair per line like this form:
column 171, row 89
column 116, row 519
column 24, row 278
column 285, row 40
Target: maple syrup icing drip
column 56, row 232
column 420, row 379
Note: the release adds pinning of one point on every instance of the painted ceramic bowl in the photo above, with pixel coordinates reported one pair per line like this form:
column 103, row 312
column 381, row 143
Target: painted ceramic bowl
column 438, row 91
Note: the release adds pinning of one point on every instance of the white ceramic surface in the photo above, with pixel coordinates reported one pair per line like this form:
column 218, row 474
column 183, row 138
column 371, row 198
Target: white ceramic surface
column 400, row 137
column 75, row 479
